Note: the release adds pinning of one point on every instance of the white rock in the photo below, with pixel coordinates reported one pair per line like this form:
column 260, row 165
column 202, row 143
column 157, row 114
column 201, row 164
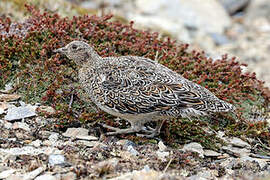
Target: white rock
column 6, row 173
column 239, row 143
column 132, row 150
column 3, row 107
column 211, row 153
column 74, row 132
column 87, row 143
column 31, row 175
column 7, row 125
column 36, row 143
column 53, row 138
column 21, row 112
column 162, row 155
column 239, row 152
column 262, row 162
column 194, row 147
column 21, row 125
column 46, row 177
column 29, row 150
column 161, row 146
column 56, row 159
column 88, row 138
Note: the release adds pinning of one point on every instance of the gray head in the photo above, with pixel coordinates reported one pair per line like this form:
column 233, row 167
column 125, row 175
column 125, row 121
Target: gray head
column 79, row 51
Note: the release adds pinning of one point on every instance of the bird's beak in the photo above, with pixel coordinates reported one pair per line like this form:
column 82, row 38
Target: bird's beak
column 62, row 50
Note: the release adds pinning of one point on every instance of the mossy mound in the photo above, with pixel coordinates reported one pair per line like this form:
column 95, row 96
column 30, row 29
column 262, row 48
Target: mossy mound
column 26, row 59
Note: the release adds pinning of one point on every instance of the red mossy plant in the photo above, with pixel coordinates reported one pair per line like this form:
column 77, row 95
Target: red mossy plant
column 26, row 59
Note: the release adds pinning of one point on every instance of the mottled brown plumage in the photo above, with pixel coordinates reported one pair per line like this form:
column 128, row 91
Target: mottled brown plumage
column 139, row 90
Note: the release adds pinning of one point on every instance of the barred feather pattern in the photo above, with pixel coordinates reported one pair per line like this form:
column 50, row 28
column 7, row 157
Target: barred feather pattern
column 134, row 87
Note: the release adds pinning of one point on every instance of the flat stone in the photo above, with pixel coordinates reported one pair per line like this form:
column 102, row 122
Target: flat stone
column 36, row 143
column 29, row 150
column 53, row 137
column 262, row 162
column 161, row 146
column 57, row 159
column 125, row 143
column 235, row 151
column 237, row 142
column 88, row 138
column 75, row 132
column 21, row 125
column 21, row 112
column 133, row 151
column 87, row 143
column 46, row 177
column 194, row 147
column 48, row 110
column 6, row 173
column 9, row 97
column 3, row 107
column 211, row 153
column 34, row 173
column 162, row 155
column 69, row 176
column 7, row 125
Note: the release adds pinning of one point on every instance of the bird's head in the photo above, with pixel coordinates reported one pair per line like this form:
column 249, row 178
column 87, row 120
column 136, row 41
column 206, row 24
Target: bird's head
column 79, row 51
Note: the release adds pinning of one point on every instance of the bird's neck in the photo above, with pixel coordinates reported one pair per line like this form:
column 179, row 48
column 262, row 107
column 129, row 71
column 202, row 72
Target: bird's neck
column 93, row 59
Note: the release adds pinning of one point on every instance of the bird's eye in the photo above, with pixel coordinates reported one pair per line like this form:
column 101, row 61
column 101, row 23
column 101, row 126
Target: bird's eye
column 74, row 46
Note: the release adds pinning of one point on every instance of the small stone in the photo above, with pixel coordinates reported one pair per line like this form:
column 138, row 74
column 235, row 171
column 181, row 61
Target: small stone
column 237, row 142
column 56, row 159
column 69, row 176
column 48, row 110
column 36, row 143
column 194, row 147
column 238, row 152
column 21, row 112
column 211, row 153
column 87, row 143
column 33, row 174
column 125, row 143
column 161, row 146
column 46, row 177
column 162, row 155
column 146, row 168
column 29, row 150
column 88, row 138
column 132, row 150
column 21, row 125
column 3, row 107
column 6, row 173
column 228, row 163
column 74, row 132
column 53, row 137
column 7, row 125
column 106, row 166
column 9, row 97
column 262, row 162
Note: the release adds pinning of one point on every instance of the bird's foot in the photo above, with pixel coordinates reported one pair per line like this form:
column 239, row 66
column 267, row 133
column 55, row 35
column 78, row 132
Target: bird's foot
column 149, row 132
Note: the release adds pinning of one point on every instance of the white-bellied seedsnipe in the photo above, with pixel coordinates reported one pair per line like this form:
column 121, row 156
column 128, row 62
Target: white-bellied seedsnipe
column 139, row 90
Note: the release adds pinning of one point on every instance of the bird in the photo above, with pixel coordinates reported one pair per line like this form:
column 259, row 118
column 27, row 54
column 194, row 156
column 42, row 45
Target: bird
column 139, row 90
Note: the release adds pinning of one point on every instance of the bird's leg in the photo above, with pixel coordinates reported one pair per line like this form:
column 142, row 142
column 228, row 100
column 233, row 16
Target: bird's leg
column 152, row 131
column 135, row 127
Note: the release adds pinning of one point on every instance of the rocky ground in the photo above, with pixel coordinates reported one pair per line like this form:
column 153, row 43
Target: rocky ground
column 31, row 150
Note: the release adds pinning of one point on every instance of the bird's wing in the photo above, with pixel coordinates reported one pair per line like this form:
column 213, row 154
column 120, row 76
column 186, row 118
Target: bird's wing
column 138, row 85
